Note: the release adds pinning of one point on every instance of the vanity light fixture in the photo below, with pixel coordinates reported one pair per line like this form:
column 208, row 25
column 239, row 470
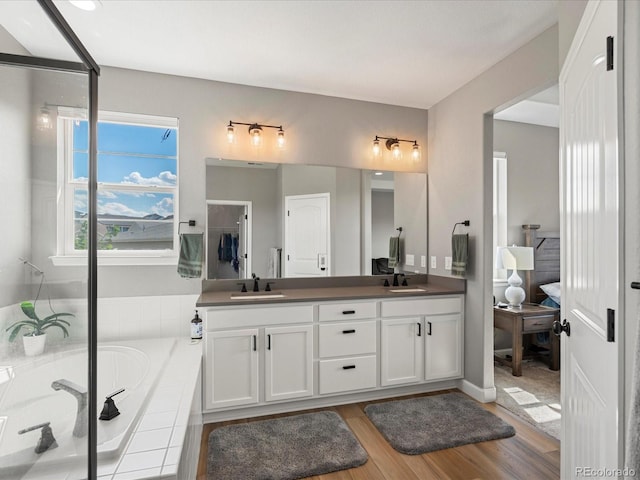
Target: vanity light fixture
column 393, row 144
column 44, row 119
column 255, row 131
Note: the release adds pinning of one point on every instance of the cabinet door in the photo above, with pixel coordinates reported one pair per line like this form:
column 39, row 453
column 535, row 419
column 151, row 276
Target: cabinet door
column 443, row 354
column 231, row 369
column 401, row 351
column 288, row 362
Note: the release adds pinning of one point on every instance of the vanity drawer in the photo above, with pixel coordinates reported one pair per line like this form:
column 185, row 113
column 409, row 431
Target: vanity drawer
column 538, row 323
column 345, row 374
column 423, row 306
column 347, row 338
column 259, row 315
column 346, row 311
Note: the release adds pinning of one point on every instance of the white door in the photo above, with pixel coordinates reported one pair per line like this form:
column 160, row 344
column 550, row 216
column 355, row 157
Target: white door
column 401, row 349
column 443, row 349
column 243, row 250
column 307, row 235
column 590, row 209
column 288, row 362
column 231, row 368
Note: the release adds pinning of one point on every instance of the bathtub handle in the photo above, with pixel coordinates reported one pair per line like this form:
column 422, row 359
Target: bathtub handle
column 46, row 441
column 116, row 393
column 109, row 410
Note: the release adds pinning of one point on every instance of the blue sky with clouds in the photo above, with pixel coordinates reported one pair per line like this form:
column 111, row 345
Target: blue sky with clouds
column 128, row 155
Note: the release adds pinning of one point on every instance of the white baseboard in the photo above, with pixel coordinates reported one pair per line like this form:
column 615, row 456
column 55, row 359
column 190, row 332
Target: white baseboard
column 483, row 395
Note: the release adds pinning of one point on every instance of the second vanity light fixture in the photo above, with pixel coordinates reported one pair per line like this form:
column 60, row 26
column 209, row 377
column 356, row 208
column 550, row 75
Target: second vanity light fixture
column 255, row 131
column 393, row 144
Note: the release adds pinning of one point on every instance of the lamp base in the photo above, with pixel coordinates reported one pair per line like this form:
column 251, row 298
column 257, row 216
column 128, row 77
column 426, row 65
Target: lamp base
column 514, row 293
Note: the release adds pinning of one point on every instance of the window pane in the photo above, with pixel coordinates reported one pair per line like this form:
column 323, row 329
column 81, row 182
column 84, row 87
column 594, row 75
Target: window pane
column 80, row 135
column 118, row 137
column 127, row 220
column 80, row 166
column 144, row 171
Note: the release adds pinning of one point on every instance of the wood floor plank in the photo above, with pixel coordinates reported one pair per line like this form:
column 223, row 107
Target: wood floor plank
column 424, row 468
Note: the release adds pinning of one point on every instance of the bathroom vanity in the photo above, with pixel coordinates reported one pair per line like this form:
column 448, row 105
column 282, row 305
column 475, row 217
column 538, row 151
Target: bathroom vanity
column 300, row 348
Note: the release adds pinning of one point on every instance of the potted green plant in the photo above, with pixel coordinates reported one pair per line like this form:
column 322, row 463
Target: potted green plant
column 34, row 340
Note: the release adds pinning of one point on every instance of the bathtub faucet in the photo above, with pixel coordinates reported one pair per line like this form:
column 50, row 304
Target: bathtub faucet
column 81, row 427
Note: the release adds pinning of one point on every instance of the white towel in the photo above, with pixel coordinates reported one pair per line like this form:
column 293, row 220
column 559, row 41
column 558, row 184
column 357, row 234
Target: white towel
column 274, row 262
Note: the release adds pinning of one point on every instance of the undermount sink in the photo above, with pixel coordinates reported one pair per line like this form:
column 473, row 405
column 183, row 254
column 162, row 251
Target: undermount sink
column 256, row 295
column 406, row 290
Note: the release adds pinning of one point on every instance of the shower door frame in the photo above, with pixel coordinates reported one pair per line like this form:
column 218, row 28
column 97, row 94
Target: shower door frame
column 87, row 66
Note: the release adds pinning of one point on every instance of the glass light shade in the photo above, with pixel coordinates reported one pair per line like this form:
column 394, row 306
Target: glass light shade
column 231, row 135
column 376, row 148
column 44, row 119
column 256, row 137
column 395, row 151
column 415, row 152
column 281, row 140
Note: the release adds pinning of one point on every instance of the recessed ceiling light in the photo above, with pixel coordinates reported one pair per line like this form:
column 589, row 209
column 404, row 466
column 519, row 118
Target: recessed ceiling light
column 88, row 5
column 378, row 173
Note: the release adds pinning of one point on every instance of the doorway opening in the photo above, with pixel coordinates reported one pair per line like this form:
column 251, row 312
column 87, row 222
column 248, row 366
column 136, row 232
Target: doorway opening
column 228, row 239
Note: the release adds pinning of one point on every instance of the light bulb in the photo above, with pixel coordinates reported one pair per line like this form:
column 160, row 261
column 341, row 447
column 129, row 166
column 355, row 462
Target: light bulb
column 395, row 151
column 44, row 119
column 281, row 140
column 376, row 147
column 256, row 137
column 87, row 5
column 230, row 134
column 415, row 152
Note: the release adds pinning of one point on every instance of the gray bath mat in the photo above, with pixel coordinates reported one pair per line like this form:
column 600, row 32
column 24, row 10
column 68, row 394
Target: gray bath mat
column 426, row 424
column 283, row 448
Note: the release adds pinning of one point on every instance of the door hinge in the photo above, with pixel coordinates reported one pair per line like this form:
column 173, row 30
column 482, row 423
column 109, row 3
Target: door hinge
column 609, row 53
column 288, row 213
column 287, row 257
column 245, row 256
column 611, row 325
column 246, row 217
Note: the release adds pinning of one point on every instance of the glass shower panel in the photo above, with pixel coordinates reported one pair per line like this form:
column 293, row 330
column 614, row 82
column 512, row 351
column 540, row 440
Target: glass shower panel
column 43, row 307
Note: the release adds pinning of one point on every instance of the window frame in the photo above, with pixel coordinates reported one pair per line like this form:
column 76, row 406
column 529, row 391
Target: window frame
column 66, row 254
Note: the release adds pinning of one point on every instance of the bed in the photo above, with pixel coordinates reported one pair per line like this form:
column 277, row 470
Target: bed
column 543, row 282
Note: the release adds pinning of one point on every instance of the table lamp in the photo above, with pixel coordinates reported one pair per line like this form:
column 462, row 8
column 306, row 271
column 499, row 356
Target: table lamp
column 515, row 258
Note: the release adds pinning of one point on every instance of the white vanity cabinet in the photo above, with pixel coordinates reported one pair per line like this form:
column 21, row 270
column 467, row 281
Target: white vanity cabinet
column 421, row 340
column 270, row 358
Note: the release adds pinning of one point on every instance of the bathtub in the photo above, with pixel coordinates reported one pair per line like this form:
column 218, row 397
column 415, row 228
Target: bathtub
column 26, row 399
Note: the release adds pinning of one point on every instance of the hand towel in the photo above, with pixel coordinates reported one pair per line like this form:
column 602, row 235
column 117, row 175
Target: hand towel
column 190, row 259
column 394, row 252
column 459, row 254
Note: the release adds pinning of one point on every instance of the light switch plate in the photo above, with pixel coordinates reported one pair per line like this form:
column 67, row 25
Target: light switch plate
column 434, row 262
column 447, row 263
column 423, row 261
column 409, row 260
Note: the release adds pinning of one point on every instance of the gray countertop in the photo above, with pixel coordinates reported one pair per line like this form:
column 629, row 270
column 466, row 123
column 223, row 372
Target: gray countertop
column 329, row 293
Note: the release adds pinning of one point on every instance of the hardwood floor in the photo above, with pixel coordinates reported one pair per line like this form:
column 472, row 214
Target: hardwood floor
column 530, row 454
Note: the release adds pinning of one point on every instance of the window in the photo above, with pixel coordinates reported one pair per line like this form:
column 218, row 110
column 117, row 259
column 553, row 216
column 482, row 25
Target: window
column 499, row 209
column 137, row 185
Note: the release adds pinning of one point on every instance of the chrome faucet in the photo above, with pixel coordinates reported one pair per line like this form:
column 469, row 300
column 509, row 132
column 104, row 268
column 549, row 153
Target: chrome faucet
column 81, row 427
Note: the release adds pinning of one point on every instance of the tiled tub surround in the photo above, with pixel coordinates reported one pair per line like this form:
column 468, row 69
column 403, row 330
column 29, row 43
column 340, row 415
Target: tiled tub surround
column 158, row 440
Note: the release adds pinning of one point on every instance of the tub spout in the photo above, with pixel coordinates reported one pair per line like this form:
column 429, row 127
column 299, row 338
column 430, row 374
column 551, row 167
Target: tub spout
column 81, row 427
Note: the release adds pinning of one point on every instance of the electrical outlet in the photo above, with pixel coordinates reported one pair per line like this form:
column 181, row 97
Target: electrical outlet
column 434, row 262
column 423, row 261
column 409, row 260
column 447, row 263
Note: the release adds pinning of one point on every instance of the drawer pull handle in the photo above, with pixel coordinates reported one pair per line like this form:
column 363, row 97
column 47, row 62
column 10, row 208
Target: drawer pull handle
column 348, row 367
column 348, row 312
column 429, row 332
column 349, row 331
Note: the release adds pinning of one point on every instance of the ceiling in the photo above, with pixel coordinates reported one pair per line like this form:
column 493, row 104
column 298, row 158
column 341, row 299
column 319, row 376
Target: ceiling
column 408, row 53
column 540, row 109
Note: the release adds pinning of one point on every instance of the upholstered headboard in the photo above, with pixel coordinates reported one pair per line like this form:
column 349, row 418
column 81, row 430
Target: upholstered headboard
column 546, row 255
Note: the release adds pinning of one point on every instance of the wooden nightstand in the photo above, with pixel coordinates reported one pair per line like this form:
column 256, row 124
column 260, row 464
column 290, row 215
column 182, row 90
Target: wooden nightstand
column 522, row 321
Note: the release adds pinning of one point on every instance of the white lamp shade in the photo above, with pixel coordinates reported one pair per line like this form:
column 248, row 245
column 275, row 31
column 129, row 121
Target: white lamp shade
column 515, row 258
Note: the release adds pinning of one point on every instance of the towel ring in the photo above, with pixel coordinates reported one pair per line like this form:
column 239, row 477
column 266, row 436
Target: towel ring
column 466, row 223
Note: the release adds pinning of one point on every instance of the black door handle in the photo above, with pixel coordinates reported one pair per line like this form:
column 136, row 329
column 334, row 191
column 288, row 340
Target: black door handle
column 269, row 342
column 558, row 327
column 635, row 285
column 254, row 343
column 429, row 332
column 419, row 329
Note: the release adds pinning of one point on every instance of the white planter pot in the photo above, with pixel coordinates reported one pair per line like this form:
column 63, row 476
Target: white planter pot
column 34, row 345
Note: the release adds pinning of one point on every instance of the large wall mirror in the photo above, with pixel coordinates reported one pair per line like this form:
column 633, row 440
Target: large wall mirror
column 283, row 220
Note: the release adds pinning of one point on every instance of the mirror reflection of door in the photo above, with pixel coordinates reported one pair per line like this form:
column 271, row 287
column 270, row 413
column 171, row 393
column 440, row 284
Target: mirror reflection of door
column 307, row 235
column 228, row 239
column 382, row 221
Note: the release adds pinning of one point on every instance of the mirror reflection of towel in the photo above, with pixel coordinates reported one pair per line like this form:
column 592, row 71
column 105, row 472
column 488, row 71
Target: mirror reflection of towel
column 394, row 252
column 459, row 254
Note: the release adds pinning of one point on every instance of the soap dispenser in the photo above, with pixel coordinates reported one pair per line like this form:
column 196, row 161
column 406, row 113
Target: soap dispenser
column 196, row 327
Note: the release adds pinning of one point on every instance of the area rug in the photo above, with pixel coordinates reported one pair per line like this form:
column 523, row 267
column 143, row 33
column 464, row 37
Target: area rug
column 283, row 448
column 426, row 424
column 534, row 397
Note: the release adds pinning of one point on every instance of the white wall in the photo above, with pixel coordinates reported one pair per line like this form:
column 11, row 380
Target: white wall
column 533, row 176
column 410, row 212
column 15, row 182
column 460, row 180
